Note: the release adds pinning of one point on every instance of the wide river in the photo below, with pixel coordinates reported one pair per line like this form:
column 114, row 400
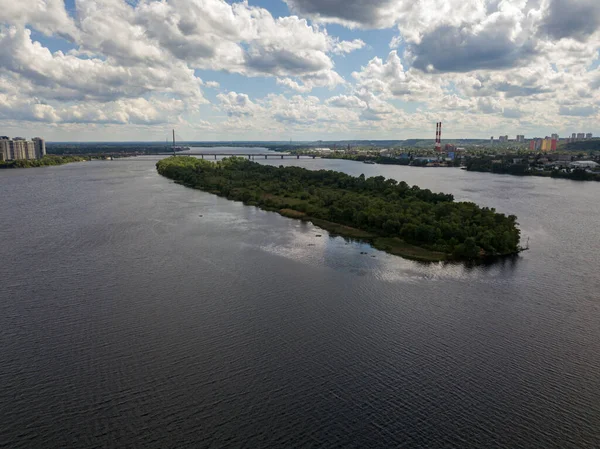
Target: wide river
column 135, row 312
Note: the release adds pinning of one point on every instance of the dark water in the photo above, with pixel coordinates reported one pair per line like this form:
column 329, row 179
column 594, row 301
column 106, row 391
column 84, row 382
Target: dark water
column 137, row 313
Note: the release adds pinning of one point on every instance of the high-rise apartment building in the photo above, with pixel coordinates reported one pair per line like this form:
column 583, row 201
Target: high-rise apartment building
column 580, row 136
column 555, row 136
column 19, row 148
column 40, row 147
column 4, row 148
column 588, row 135
column 573, row 136
column 520, row 138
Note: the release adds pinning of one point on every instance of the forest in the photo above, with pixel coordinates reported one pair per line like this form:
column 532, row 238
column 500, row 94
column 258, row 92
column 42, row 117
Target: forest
column 395, row 216
column 525, row 169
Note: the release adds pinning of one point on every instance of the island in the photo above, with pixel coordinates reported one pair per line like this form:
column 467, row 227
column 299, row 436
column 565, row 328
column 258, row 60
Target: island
column 43, row 162
column 394, row 217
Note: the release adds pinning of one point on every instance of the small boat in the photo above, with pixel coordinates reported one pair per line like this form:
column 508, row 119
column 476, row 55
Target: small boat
column 368, row 162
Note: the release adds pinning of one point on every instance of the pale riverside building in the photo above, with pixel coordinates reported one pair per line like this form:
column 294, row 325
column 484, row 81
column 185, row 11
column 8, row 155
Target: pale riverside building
column 19, row 148
column 40, row 147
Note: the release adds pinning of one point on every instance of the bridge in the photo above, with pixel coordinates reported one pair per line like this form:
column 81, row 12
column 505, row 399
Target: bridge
column 250, row 156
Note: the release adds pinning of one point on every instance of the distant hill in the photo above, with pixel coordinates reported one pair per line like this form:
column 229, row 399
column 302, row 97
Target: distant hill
column 582, row 146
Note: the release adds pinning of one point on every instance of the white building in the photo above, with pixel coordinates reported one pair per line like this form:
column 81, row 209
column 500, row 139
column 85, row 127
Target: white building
column 584, row 164
column 19, row 148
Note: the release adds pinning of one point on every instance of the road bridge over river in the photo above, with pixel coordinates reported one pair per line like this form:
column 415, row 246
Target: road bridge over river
column 250, row 156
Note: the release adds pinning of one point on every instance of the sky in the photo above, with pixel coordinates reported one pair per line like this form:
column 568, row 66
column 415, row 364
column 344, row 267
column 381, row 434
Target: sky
column 124, row 70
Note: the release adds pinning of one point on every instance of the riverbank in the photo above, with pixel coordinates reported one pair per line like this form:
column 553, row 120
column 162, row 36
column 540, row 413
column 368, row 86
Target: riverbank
column 574, row 175
column 393, row 246
column 531, row 167
column 46, row 161
column 402, row 220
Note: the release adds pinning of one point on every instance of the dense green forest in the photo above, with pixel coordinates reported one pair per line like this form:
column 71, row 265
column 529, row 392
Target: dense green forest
column 43, row 162
column 582, row 146
column 395, row 216
column 524, row 169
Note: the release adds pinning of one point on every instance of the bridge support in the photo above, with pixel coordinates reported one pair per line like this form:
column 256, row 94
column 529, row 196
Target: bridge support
column 314, row 157
column 215, row 157
column 281, row 157
column 202, row 156
column 297, row 156
column 248, row 157
column 265, row 156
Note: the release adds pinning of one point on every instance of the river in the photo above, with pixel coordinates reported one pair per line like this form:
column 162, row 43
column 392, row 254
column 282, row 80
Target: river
column 135, row 312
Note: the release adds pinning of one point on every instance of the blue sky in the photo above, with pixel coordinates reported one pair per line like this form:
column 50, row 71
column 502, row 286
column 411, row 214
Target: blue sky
column 302, row 69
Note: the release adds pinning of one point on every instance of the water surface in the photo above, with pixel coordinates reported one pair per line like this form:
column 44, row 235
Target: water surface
column 135, row 312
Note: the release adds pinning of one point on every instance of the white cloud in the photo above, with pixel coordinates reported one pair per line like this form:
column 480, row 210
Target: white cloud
column 348, row 46
column 237, row 105
column 475, row 64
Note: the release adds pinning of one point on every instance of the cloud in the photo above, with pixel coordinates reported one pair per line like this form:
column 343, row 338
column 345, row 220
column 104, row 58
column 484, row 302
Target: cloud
column 352, row 13
column 48, row 16
column 237, row 105
column 66, row 77
column 346, row 101
column 348, row 46
column 576, row 19
column 577, row 111
column 390, row 80
column 496, row 43
column 474, row 64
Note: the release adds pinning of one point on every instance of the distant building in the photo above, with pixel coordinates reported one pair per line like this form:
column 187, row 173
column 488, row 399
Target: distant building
column 584, row 164
column 492, row 140
column 549, row 144
column 520, row 138
column 580, row 136
column 588, row 136
column 555, row 136
column 39, row 145
column 19, row 148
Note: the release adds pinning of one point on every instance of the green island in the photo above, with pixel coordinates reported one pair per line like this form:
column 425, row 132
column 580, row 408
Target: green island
column 43, row 162
column 394, row 217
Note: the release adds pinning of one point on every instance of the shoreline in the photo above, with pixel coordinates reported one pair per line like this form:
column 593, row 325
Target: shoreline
column 46, row 161
column 390, row 245
column 391, row 216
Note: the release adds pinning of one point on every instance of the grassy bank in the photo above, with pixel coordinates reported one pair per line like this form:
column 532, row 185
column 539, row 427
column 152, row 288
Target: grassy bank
column 46, row 161
column 393, row 246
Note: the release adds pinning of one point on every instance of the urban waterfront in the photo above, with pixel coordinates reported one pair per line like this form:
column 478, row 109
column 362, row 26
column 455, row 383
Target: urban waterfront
column 139, row 313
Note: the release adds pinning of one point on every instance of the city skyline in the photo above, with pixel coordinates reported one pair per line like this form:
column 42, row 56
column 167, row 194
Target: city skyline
column 102, row 70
